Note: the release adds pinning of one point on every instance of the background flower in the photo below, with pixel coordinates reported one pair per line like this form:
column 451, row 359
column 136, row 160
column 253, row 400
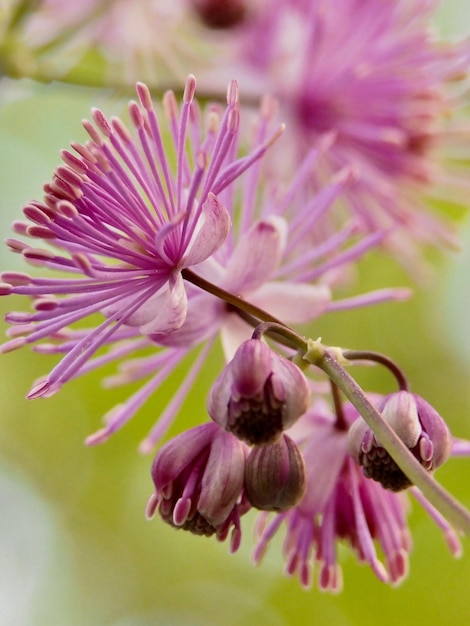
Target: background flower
column 389, row 89
column 117, row 42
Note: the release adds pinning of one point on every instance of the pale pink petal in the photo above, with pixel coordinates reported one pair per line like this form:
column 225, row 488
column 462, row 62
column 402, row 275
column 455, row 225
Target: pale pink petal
column 216, row 223
column 293, row 303
column 202, row 321
column 170, row 309
column 232, row 334
column 256, row 256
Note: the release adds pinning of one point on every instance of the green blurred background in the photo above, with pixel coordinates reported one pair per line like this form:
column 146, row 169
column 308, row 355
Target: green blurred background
column 75, row 546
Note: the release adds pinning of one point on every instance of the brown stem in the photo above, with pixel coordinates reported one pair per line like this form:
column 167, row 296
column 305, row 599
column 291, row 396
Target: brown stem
column 377, row 357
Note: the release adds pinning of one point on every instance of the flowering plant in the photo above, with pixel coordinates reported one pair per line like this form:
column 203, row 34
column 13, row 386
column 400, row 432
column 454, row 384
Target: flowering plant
column 164, row 237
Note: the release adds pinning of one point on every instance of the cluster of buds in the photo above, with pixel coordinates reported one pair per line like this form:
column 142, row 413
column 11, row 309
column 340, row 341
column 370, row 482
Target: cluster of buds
column 207, row 477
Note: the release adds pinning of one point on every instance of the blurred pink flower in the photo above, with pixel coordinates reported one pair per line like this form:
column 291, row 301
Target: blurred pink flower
column 120, row 42
column 382, row 82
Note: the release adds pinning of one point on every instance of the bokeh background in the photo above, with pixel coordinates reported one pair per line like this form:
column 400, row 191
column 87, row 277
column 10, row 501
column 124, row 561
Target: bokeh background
column 75, row 547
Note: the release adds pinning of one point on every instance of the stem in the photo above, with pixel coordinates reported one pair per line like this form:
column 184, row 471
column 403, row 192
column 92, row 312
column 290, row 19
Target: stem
column 377, row 357
column 435, row 493
column 341, row 423
column 230, row 298
column 280, row 333
column 251, row 314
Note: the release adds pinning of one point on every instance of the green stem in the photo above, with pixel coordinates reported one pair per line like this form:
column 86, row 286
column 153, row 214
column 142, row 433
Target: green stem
column 455, row 513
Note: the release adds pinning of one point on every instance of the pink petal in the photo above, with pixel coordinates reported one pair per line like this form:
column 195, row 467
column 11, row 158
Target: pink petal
column 173, row 457
column 222, row 482
column 212, row 233
column 232, row 334
column 256, row 256
column 170, row 309
column 202, row 320
column 293, row 303
column 327, row 449
column 251, row 367
column 165, row 240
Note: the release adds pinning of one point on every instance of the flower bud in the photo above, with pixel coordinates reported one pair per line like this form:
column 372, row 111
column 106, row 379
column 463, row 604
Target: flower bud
column 275, row 475
column 258, row 394
column 198, row 478
column 420, row 428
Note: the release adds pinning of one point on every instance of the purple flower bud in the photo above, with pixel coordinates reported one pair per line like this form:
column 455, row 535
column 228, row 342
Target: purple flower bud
column 198, row 479
column 258, row 394
column 275, row 475
column 420, row 428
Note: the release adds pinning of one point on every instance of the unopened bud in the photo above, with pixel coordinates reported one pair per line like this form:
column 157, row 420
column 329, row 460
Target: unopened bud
column 275, row 475
column 417, row 424
column 259, row 394
column 198, row 478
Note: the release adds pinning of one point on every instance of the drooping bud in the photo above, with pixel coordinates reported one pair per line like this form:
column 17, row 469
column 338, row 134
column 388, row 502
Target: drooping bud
column 198, row 479
column 259, row 394
column 275, row 475
column 420, row 428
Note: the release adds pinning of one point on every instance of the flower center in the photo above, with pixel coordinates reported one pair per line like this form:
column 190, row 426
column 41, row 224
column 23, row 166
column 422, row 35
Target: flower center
column 257, row 420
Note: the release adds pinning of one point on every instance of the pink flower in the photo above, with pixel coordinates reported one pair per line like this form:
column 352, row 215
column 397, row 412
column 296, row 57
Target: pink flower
column 125, row 226
column 420, row 428
column 158, row 41
column 381, row 81
column 128, row 226
column 198, row 479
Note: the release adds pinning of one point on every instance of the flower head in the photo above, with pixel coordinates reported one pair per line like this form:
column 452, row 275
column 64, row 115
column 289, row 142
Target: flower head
column 125, row 226
column 220, row 14
column 153, row 40
column 259, row 394
column 198, row 478
column 420, row 428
